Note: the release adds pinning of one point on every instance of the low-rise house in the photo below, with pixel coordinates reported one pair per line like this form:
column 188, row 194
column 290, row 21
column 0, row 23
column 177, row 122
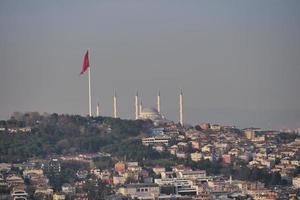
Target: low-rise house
column 217, row 186
column 117, row 179
column 39, row 180
column 43, row 192
column 180, row 168
column 82, row 174
column 157, row 140
column 173, row 149
column 197, row 156
column 258, row 139
column 208, row 157
column 165, row 175
column 181, row 155
column 192, row 175
column 222, row 147
column 215, row 127
column 226, row 158
column 192, row 133
column 81, row 196
column 132, row 175
column 263, row 194
column 59, row 196
column 196, row 145
column 246, row 185
column 158, row 169
column 288, row 153
column 182, row 146
column 15, row 181
column 33, row 171
column 105, row 175
column 267, row 163
column 296, row 182
column 133, row 166
column 19, row 193
column 180, row 138
column 181, row 186
column 96, row 172
column 234, row 152
column 207, row 148
column 295, row 162
column 20, row 130
column 140, row 190
column 285, row 161
column 68, row 189
column 204, row 126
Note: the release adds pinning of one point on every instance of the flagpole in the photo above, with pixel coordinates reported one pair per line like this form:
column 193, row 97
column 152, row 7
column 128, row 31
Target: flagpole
column 90, row 95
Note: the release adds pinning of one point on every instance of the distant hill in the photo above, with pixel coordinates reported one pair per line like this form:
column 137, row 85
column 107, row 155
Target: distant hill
column 63, row 134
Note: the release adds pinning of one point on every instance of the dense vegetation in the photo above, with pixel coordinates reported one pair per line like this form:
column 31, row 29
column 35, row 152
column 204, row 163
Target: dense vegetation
column 61, row 134
column 133, row 150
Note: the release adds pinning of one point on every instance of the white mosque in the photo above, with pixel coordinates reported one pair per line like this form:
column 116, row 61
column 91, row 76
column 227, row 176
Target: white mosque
column 155, row 114
column 141, row 113
column 148, row 113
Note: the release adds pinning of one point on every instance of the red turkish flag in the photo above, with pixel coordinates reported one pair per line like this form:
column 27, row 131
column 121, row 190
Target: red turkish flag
column 86, row 62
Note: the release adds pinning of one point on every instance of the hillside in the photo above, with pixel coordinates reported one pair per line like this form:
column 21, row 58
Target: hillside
column 65, row 134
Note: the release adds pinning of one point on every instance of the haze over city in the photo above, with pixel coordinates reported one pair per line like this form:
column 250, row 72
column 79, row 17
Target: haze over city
column 237, row 61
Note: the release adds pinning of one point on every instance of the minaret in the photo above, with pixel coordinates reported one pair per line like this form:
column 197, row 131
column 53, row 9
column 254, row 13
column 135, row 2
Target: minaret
column 136, row 106
column 158, row 102
column 141, row 106
column 115, row 105
column 97, row 110
column 181, row 108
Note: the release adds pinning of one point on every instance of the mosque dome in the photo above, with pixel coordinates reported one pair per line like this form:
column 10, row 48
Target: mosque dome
column 150, row 113
column 150, row 110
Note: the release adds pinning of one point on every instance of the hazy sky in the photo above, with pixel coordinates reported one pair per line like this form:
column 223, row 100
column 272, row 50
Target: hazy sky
column 237, row 61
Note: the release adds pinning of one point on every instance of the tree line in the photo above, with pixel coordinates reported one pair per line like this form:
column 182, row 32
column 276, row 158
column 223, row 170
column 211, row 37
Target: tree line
column 64, row 134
